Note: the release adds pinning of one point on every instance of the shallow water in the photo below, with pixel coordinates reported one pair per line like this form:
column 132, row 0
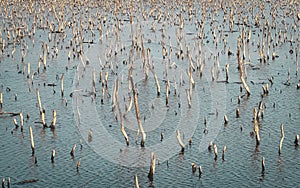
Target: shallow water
column 106, row 161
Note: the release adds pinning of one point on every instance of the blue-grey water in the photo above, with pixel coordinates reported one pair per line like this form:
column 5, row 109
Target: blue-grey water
column 105, row 159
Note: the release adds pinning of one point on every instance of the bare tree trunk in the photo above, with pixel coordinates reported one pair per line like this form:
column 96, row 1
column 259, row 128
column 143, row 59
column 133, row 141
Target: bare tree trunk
column 137, row 111
column 120, row 113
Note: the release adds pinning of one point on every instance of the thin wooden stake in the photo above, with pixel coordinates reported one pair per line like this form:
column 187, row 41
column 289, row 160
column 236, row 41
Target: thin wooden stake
column 43, row 120
column 225, row 119
column 45, row 55
column 223, row 153
column 28, row 70
column 227, row 73
column 78, row 164
column 53, row 155
column 102, row 96
column 129, row 107
column 1, row 100
column 296, row 140
column 237, row 112
column 215, row 152
column 194, row 168
column 256, row 130
column 137, row 111
column 53, row 122
column 120, row 115
column 190, row 75
column 200, row 171
column 21, row 119
column 31, row 140
column 152, row 166
column 281, row 140
column 212, row 73
column 153, row 72
column 263, row 165
column 180, row 141
column 8, row 182
column 167, row 92
column 16, row 123
column 39, row 100
column 73, row 150
column 62, row 84
column 240, row 66
column 136, row 181
column 188, row 98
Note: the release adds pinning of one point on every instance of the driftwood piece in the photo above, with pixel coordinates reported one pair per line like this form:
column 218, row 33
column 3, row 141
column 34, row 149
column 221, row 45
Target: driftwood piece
column 27, row 181
column 10, row 113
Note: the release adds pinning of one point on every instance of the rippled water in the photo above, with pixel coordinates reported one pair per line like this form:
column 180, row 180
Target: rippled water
column 106, row 161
